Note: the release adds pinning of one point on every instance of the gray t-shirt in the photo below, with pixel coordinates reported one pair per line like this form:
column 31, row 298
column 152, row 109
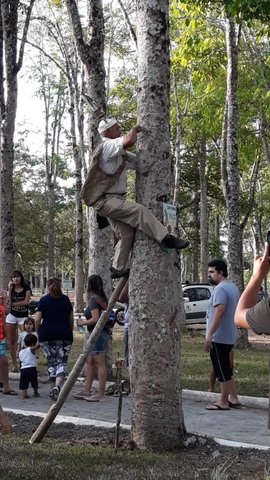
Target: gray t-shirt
column 225, row 293
column 258, row 317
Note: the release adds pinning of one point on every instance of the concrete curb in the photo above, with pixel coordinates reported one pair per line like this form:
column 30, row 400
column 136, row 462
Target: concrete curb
column 110, row 425
column 251, row 402
column 68, row 419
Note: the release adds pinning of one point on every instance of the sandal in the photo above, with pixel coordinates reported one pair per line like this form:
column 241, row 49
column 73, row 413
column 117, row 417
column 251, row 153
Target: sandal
column 95, row 398
column 81, row 396
column 10, row 392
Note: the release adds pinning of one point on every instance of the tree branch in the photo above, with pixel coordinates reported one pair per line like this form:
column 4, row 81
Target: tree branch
column 129, row 25
column 24, row 36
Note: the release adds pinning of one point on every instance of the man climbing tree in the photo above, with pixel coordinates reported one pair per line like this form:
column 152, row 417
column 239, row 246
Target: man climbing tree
column 105, row 189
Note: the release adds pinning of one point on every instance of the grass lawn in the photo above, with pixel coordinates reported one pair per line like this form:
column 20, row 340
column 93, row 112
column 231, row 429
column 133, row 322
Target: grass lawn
column 66, row 460
column 87, row 459
column 251, row 365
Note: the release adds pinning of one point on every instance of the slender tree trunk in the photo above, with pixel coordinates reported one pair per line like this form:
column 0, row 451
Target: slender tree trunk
column 51, row 228
column 92, row 56
column 157, row 419
column 235, row 258
column 235, row 238
column 196, row 242
column 77, row 157
column 204, row 216
column 177, row 166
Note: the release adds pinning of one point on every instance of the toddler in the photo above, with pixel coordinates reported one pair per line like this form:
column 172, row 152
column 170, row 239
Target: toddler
column 28, row 327
column 28, row 361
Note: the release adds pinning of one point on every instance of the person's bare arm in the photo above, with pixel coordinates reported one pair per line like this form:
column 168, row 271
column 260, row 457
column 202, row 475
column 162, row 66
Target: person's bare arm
column 131, row 137
column 249, row 296
column 219, row 311
column 38, row 318
column 23, row 303
column 90, row 321
column 34, row 348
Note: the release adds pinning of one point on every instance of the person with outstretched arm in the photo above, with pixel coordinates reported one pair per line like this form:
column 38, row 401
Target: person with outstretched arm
column 249, row 313
column 105, row 190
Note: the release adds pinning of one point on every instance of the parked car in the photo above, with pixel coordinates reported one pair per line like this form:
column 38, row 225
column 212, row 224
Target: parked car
column 196, row 301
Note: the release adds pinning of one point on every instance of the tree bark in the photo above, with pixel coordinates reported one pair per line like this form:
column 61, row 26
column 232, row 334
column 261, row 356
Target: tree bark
column 232, row 183
column 91, row 53
column 13, row 64
column 157, row 419
column 204, row 216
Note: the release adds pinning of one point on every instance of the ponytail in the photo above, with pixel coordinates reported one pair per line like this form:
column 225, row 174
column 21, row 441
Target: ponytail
column 54, row 286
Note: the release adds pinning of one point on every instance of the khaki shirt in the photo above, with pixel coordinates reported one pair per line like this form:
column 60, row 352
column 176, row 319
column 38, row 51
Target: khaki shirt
column 258, row 317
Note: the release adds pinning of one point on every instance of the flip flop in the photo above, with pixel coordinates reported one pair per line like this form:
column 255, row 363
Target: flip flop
column 10, row 392
column 216, row 407
column 94, row 399
column 235, row 405
column 81, row 396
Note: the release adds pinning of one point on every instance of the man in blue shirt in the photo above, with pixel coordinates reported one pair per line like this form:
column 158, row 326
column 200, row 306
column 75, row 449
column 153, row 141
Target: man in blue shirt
column 221, row 332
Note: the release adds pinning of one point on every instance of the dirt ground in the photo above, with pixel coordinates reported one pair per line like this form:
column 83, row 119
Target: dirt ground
column 207, row 459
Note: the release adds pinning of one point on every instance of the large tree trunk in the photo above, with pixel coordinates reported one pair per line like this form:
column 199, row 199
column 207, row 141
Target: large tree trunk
column 157, row 420
column 9, row 39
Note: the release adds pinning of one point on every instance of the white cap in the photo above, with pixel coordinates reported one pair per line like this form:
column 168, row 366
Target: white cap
column 105, row 124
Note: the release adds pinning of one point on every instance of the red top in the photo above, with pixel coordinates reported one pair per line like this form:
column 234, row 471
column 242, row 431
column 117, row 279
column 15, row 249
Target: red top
column 2, row 316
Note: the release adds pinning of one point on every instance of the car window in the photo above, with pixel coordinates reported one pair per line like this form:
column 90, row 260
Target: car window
column 203, row 293
column 190, row 294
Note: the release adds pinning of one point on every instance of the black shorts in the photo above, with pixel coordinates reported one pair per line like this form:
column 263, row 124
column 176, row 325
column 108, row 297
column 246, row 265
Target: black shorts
column 220, row 357
column 28, row 375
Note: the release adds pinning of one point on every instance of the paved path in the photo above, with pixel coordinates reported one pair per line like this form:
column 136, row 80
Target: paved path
column 246, row 425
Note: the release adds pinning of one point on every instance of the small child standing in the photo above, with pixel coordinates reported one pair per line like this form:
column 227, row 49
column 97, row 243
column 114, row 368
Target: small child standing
column 29, row 327
column 28, row 361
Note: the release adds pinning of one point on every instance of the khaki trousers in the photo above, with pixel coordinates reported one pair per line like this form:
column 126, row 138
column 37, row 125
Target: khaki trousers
column 125, row 218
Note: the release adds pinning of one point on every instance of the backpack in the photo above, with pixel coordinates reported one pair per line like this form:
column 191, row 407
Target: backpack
column 97, row 181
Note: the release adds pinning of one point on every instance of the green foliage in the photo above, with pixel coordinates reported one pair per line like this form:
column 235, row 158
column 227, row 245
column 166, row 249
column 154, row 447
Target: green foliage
column 240, row 9
column 123, row 100
column 31, row 215
column 56, row 3
column 199, row 65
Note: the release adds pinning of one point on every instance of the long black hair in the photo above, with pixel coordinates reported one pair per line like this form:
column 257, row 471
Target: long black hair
column 95, row 286
column 18, row 273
